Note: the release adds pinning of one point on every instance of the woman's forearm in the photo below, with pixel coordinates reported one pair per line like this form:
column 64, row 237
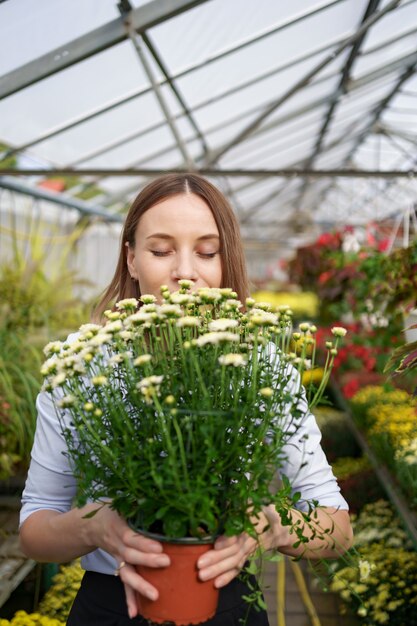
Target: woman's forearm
column 328, row 533
column 50, row 536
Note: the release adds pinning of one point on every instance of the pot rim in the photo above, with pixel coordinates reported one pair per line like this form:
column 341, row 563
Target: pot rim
column 178, row 540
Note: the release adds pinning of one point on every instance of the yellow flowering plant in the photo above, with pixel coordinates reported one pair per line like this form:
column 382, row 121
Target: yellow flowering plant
column 383, row 589
column 178, row 413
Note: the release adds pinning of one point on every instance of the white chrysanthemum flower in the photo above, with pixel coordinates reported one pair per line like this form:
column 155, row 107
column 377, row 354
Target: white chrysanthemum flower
column 53, row 347
column 141, row 317
column 127, row 303
column 148, row 298
column 89, row 329
column 250, row 302
column 188, row 321
column 113, row 327
column 142, row 359
column 182, row 298
column 339, row 331
column 264, row 306
column 185, row 283
column 58, row 380
column 67, row 401
column 170, row 310
column 50, row 366
column 115, row 359
column 126, row 335
column 112, row 316
column 100, row 381
column 209, row 294
column 236, row 360
column 149, row 308
column 215, row 338
column 257, row 317
column 364, row 569
column 150, row 380
column 100, row 339
column 228, row 292
column 305, row 327
column 149, row 387
column 232, row 304
column 223, row 323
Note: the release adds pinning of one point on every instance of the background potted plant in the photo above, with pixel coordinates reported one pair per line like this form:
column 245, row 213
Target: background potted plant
column 185, row 408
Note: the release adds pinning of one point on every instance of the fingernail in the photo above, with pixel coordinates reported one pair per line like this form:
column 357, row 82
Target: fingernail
column 202, row 562
column 152, row 594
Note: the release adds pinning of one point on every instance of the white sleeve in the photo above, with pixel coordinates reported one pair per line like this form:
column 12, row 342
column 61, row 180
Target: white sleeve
column 50, row 483
column 305, row 464
column 307, row 468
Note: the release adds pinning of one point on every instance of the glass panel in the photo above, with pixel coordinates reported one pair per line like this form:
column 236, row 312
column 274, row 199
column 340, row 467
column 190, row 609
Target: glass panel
column 31, row 29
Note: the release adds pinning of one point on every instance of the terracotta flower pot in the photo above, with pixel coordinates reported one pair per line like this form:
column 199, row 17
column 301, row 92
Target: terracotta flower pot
column 183, row 597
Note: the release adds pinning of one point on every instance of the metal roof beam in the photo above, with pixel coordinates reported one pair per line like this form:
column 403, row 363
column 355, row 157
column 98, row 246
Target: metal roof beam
column 212, row 171
column 110, row 34
column 49, row 134
column 180, row 98
column 342, row 87
column 57, row 198
column 246, row 132
column 381, row 108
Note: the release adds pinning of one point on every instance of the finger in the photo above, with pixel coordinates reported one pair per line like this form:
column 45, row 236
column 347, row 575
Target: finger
column 229, row 562
column 135, row 540
column 150, row 559
column 225, row 579
column 131, row 578
column 132, row 608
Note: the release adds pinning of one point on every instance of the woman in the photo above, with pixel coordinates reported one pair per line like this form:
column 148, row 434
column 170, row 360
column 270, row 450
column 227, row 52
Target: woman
column 179, row 227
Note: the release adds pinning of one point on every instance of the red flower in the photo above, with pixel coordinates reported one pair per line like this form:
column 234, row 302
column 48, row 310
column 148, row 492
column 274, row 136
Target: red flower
column 325, row 276
column 350, row 388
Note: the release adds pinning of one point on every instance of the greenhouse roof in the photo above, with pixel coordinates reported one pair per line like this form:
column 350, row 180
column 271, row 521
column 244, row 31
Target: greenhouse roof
column 303, row 112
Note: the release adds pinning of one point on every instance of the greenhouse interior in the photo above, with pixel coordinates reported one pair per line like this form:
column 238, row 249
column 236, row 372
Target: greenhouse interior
column 303, row 115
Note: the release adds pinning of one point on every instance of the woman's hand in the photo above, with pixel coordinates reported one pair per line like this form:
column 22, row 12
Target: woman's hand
column 111, row 533
column 229, row 555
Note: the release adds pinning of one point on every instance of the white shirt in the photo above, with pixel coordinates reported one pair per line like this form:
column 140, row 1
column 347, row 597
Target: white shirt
column 51, row 485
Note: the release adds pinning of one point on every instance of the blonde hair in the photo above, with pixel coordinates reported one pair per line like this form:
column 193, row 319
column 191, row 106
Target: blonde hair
column 234, row 272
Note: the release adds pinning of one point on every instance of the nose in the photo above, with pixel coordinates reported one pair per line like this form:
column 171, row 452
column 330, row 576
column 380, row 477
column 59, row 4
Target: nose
column 184, row 266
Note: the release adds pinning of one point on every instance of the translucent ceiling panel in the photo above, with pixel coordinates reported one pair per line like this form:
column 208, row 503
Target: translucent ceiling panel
column 77, row 142
column 198, row 87
column 30, row 29
column 380, row 153
column 275, row 141
column 73, row 92
column 397, row 56
column 316, row 93
column 261, row 189
column 358, row 104
column 139, row 149
column 218, row 26
column 335, row 157
column 394, row 23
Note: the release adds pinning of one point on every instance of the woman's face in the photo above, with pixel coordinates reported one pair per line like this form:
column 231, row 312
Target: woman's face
column 176, row 239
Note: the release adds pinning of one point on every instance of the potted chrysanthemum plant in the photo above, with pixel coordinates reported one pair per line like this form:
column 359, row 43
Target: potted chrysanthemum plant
column 185, row 408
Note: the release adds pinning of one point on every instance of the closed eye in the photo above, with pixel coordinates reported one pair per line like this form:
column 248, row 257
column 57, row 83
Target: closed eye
column 160, row 252
column 207, row 255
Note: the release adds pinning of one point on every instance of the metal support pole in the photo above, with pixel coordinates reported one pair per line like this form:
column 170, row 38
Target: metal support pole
column 137, row 42
column 301, row 83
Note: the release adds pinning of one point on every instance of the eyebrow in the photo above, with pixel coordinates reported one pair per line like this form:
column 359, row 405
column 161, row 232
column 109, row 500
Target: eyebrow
column 166, row 236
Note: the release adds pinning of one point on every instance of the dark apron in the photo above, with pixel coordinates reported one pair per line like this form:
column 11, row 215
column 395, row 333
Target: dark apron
column 101, row 602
